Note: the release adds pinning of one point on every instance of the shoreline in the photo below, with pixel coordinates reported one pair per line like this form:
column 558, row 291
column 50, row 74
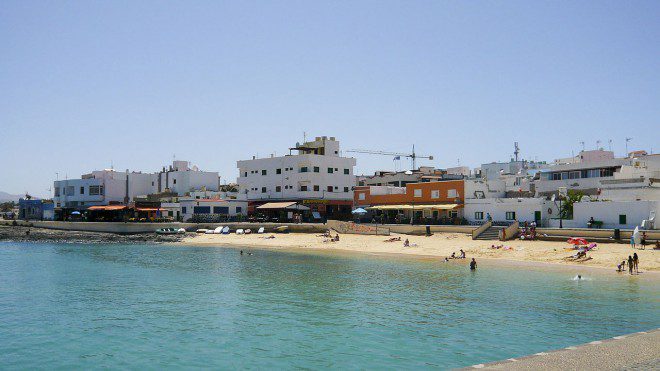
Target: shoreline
column 539, row 254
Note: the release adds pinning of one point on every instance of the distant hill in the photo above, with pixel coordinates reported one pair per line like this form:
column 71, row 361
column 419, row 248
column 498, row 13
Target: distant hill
column 6, row 197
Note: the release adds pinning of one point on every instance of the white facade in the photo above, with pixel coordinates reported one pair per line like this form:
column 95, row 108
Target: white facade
column 309, row 175
column 100, row 188
column 110, row 186
column 180, row 178
column 190, row 207
column 510, row 209
column 613, row 214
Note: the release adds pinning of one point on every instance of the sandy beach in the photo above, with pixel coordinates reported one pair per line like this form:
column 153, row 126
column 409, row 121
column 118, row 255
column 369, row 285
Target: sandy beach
column 606, row 255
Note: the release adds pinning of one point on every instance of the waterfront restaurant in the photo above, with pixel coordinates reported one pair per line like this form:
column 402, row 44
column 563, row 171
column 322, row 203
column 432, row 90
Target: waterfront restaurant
column 426, row 203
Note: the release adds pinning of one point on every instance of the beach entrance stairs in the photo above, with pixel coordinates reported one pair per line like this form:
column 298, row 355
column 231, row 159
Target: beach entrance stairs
column 487, row 231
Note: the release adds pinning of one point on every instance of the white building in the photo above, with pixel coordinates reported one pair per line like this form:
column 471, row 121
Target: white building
column 109, row 186
column 180, row 178
column 613, row 214
column 507, row 210
column 317, row 176
column 210, row 210
column 101, row 188
column 610, row 179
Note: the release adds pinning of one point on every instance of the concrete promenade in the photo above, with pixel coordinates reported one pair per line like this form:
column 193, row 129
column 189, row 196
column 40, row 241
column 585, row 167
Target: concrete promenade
column 638, row 351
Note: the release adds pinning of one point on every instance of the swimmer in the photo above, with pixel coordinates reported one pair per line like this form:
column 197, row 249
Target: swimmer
column 473, row 264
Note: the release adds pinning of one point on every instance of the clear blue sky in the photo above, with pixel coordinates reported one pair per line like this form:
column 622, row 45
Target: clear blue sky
column 85, row 83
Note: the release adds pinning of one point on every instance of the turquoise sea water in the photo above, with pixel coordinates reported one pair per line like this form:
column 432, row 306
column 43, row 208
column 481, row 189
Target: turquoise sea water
column 153, row 307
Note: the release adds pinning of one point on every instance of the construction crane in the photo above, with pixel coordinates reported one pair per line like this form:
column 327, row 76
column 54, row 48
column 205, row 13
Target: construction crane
column 412, row 156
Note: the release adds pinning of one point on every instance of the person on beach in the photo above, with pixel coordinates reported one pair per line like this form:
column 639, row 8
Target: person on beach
column 643, row 240
column 632, row 241
column 473, row 264
column 630, row 264
column 406, row 243
column 453, row 255
column 462, row 256
column 636, row 262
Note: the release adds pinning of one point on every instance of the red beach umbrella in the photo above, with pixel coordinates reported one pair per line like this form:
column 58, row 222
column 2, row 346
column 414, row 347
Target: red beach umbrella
column 577, row 241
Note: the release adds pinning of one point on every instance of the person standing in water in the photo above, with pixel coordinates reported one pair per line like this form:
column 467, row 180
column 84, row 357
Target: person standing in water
column 473, row 264
column 630, row 264
column 636, row 262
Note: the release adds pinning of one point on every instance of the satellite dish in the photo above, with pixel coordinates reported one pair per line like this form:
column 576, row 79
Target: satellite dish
column 431, row 158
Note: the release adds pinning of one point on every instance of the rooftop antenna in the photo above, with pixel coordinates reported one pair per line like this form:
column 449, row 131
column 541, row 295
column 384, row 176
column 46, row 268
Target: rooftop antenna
column 304, row 136
column 516, row 150
column 627, row 140
column 609, row 144
column 598, row 144
column 57, row 176
column 582, row 143
column 112, row 165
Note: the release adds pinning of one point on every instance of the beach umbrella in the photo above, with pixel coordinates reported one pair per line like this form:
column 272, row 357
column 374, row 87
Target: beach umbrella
column 359, row 210
column 577, row 241
column 75, row 213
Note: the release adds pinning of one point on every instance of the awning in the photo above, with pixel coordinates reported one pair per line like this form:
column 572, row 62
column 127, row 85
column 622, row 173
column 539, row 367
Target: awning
column 275, row 205
column 415, row 207
column 107, row 207
column 146, row 209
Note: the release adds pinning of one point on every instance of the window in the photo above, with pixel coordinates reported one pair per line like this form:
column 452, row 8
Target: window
column 329, row 188
column 331, row 170
column 278, row 171
column 57, row 191
column 174, row 182
column 361, row 196
column 278, row 189
column 317, row 188
column 574, row 175
column 435, row 193
column 451, row 193
column 303, row 188
column 82, row 190
column 303, row 169
column 220, row 210
column 264, row 172
column 245, row 174
column 510, row 215
column 152, row 183
column 201, row 209
column 345, row 189
column 239, row 209
column 316, row 169
column 347, row 171
column 263, row 189
column 184, row 209
column 417, row 193
column 453, row 214
column 622, row 219
column 69, row 190
column 479, row 215
column 95, row 190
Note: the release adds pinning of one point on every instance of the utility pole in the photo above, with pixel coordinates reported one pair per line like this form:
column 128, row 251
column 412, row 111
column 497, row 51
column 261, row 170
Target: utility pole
column 627, row 140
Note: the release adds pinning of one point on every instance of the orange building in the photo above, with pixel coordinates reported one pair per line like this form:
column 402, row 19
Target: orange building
column 428, row 202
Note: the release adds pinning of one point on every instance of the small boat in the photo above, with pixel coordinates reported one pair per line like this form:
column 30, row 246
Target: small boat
column 218, row 230
column 166, row 231
column 239, row 231
column 282, row 229
column 209, row 231
column 261, row 230
column 225, row 230
column 181, row 231
column 248, row 231
column 201, row 230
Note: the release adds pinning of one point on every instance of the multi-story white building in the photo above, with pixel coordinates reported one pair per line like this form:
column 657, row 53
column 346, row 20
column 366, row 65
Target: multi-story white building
column 109, row 186
column 101, row 188
column 180, row 178
column 317, row 177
